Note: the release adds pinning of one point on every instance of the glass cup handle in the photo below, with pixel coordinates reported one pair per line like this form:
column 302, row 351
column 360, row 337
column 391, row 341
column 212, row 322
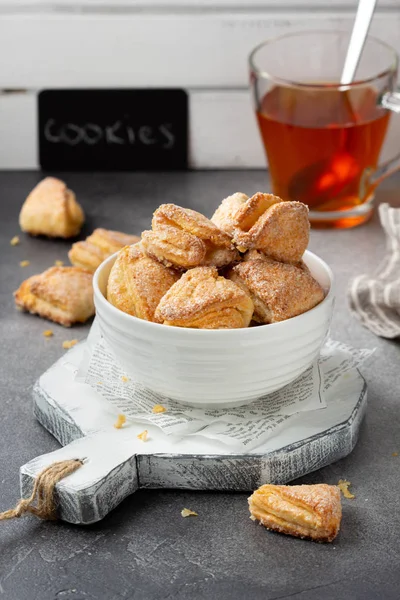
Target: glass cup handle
column 373, row 177
column 391, row 101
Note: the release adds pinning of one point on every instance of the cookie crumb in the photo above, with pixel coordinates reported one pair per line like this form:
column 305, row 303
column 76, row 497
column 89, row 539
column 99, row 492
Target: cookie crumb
column 48, row 333
column 59, row 263
column 343, row 485
column 158, row 408
column 395, row 453
column 124, row 379
column 24, row 263
column 69, row 343
column 143, row 436
column 121, row 420
column 14, row 241
column 186, row 512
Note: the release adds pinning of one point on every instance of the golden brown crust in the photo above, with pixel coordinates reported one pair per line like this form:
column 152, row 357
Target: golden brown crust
column 279, row 291
column 240, row 213
column 224, row 216
column 202, row 299
column 61, row 294
column 51, row 209
column 265, row 222
column 137, row 282
column 282, row 232
column 257, row 255
column 173, row 247
column 253, row 209
column 305, row 511
column 184, row 238
column 98, row 246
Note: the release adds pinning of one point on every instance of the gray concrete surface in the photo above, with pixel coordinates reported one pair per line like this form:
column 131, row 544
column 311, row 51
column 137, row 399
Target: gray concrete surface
column 144, row 550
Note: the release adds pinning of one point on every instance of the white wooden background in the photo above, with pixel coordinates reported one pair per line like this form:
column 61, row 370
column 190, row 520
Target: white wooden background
column 200, row 45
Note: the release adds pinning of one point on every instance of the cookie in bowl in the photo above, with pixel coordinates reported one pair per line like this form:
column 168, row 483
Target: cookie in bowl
column 202, row 299
column 279, row 291
column 184, row 239
column 265, row 222
column 137, row 282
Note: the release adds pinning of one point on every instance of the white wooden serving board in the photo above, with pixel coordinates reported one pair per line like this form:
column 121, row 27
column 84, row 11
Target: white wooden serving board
column 116, row 463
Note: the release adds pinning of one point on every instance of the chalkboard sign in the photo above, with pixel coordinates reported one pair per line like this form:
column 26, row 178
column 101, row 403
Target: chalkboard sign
column 114, row 130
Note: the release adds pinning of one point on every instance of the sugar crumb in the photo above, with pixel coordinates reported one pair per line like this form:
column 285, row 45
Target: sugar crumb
column 395, row 453
column 121, row 420
column 67, row 344
column 124, row 379
column 48, row 333
column 14, row 241
column 186, row 512
column 158, row 408
column 59, row 263
column 143, row 436
column 343, row 485
column 24, row 263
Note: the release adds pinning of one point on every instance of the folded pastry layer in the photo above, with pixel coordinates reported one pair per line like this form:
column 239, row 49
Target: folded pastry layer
column 279, row 229
column 257, row 255
column 203, row 300
column 184, row 238
column 62, row 294
column 305, row 511
column 279, row 291
column 137, row 282
column 51, row 209
column 239, row 212
column 225, row 215
column 98, row 246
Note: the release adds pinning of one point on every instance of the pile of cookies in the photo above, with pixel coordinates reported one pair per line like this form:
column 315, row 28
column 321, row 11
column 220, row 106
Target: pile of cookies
column 242, row 267
column 64, row 294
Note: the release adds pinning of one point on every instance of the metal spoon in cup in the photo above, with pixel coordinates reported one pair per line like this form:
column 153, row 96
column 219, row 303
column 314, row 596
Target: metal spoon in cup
column 335, row 175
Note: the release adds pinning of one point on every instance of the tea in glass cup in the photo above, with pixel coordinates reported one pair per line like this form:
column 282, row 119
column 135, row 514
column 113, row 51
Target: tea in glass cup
column 323, row 139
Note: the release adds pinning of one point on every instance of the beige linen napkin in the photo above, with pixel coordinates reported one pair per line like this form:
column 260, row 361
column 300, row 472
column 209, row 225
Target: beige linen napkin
column 375, row 300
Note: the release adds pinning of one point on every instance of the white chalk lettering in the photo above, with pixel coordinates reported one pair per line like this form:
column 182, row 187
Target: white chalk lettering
column 111, row 137
column 131, row 134
column 50, row 137
column 119, row 133
column 146, row 135
column 92, row 133
column 165, row 129
column 77, row 134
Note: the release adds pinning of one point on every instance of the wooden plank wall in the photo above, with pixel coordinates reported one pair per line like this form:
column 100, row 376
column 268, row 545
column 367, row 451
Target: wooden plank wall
column 200, row 45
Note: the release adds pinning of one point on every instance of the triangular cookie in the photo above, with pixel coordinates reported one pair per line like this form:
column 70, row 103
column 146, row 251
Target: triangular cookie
column 305, row 511
column 137, row 282
column 62, row 294
column 203, row 300
column 98, row 246
column 184, row 238
column 51, row 209
column 279, row 291
column 281, row 232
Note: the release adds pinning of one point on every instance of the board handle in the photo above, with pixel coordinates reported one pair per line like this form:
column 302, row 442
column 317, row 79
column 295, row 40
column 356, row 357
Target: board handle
column 108, row 475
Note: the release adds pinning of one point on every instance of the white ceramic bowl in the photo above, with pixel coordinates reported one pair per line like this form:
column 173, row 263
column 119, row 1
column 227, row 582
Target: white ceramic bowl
column 215, row 368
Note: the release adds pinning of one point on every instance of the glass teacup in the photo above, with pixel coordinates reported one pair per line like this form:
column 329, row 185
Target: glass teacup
column 323, row 139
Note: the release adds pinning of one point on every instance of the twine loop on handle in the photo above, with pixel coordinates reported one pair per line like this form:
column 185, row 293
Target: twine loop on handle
column 45, row 506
